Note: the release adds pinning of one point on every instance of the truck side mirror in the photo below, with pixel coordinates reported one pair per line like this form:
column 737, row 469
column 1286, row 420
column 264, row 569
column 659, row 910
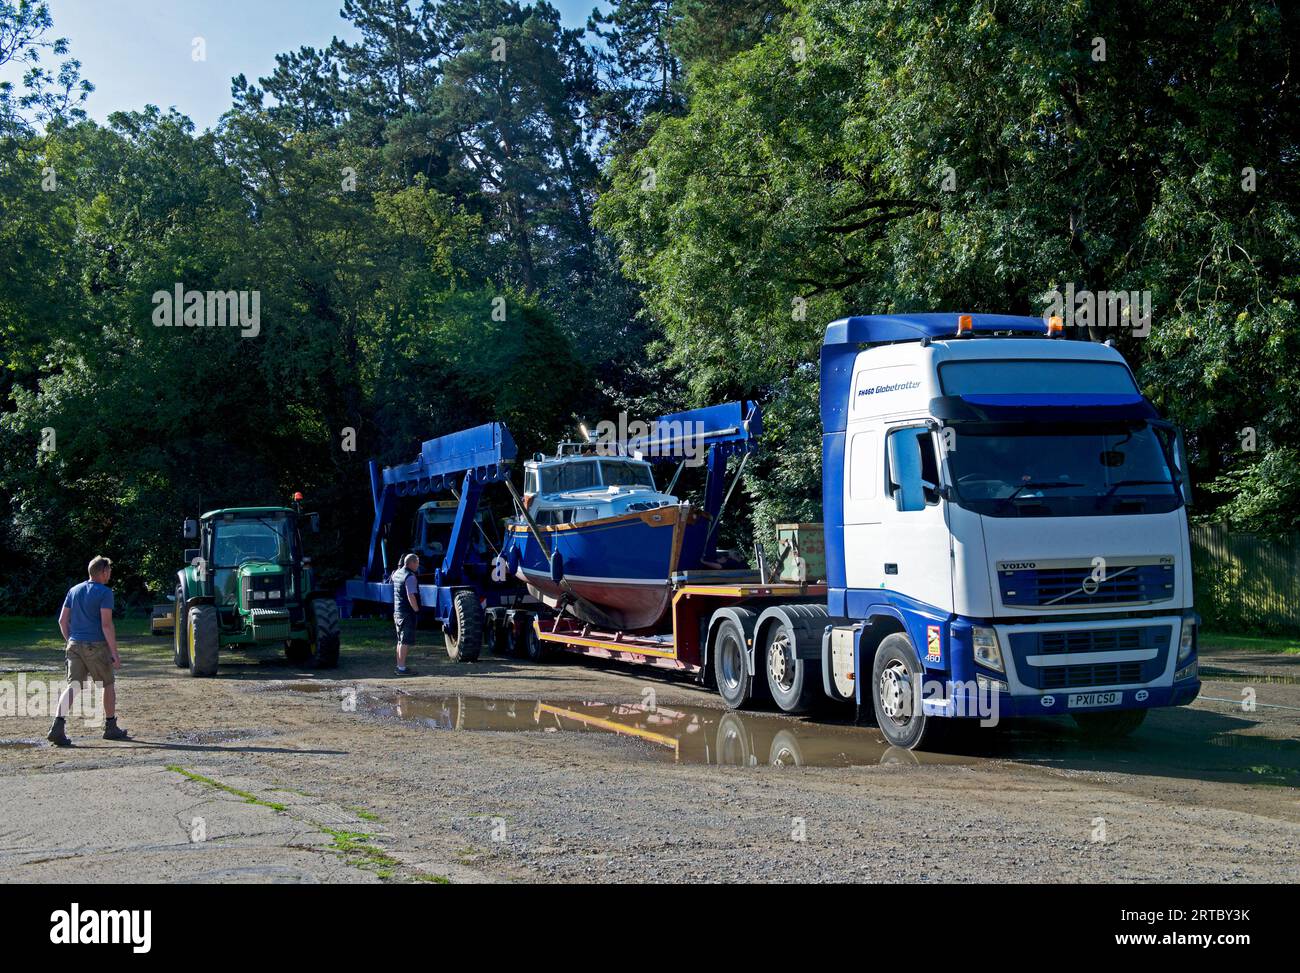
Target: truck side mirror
column 192, row 554
column 191, row 530
column 905, row 469
column 313, row 520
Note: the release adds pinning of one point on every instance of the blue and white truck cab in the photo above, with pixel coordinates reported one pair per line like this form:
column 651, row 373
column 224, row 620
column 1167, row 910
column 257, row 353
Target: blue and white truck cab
column 1005, row 527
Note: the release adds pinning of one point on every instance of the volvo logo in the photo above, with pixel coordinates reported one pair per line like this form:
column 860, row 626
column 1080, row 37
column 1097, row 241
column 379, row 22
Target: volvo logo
column 1090, row 585
column 1048, row 701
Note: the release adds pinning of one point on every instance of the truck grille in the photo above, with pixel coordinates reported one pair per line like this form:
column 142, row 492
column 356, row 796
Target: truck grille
column 1146, row 638
column 1051, row 587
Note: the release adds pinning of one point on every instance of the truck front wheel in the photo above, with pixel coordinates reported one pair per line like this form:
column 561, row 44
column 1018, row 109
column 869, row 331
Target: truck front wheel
column 1112, row 725
column 896, row 677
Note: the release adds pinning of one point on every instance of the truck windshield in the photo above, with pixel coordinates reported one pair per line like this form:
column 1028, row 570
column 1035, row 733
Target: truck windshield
column 976, row 377
column 263, row 539
column 1015, row 470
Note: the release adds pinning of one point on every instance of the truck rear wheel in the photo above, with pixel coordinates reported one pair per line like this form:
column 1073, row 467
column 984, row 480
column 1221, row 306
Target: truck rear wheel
column 1112, row 725
column 731, row 665
column 463, row 632
column 793, row 682
column 180, row 631
column 896, row 679
column 204, row 641
column 325, row 633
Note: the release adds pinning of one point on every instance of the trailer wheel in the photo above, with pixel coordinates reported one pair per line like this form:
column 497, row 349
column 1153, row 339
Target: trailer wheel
column 204, row 641
column 535, row 649
column 793, row 682
column 1113, row 725
column 896, row 693
column 731, row 665
column 180, row 632
column 463, row 631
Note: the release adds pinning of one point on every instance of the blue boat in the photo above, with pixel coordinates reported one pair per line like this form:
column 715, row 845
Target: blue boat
column 597, row 539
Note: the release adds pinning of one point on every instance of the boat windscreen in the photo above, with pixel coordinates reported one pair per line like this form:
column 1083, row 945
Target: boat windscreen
column 625, row 473
column 562, row 477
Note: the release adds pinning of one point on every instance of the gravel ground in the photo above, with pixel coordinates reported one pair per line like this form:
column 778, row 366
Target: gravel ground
column 288, row 775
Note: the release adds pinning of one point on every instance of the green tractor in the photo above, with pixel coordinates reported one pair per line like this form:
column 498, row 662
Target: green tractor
column 247, row 584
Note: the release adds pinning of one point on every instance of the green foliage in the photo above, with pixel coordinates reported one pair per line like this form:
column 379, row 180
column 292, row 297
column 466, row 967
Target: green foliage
column 906, row 155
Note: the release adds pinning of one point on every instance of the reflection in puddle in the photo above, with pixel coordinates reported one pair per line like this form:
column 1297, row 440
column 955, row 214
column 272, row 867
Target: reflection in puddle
column 680, row 734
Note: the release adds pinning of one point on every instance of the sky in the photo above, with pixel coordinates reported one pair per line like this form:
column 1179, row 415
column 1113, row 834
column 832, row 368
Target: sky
column 139, row 52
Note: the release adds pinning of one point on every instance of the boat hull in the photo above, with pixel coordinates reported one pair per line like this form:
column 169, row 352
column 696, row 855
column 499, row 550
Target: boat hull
column 617, row 571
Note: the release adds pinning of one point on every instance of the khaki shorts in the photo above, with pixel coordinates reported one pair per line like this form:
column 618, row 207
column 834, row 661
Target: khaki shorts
column 90, row 660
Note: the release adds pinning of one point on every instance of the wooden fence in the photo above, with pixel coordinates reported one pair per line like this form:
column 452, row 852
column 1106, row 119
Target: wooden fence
column 1246, row 581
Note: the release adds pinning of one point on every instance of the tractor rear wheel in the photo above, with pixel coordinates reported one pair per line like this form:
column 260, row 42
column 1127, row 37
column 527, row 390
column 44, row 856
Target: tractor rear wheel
column 325, row 633
column 180, row 632
column 204, row 640
column 463, row 631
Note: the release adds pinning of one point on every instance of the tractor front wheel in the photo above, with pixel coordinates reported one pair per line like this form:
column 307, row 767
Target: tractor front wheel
column 180, row 632
column 204, row 640
column 325, row 633
column 297, row 651
column 463, row 631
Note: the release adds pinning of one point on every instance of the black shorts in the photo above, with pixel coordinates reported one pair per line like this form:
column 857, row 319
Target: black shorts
column 406, row 626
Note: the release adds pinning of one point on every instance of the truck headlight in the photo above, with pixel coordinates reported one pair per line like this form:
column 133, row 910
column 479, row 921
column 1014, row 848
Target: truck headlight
column 1187, row 638
column 987, row 652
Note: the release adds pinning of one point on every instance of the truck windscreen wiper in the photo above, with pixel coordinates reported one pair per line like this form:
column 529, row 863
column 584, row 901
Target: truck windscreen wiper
column 1055, row 485
column 1107, row 495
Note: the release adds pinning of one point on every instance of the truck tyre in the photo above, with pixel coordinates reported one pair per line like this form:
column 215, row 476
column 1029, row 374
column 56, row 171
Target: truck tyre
column 204, row 641
column 325, row 633
column 463, row 631
column 793, row 682
column 731, row 665
column 1112, row 725
column 180, row 631
column 896, row 683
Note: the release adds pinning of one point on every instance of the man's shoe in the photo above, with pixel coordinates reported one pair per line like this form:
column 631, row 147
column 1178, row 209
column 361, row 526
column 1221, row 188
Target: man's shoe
column 56, row 735
column 408, row 671
column 114, row 732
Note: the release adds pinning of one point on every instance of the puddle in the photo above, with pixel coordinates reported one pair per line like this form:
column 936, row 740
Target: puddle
column 676, row 734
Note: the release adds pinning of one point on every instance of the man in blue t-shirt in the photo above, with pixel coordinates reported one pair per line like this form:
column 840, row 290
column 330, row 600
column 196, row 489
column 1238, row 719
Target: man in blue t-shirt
column 86, row 622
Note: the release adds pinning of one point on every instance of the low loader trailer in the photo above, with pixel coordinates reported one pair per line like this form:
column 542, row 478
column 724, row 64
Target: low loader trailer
column 1004, row 535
